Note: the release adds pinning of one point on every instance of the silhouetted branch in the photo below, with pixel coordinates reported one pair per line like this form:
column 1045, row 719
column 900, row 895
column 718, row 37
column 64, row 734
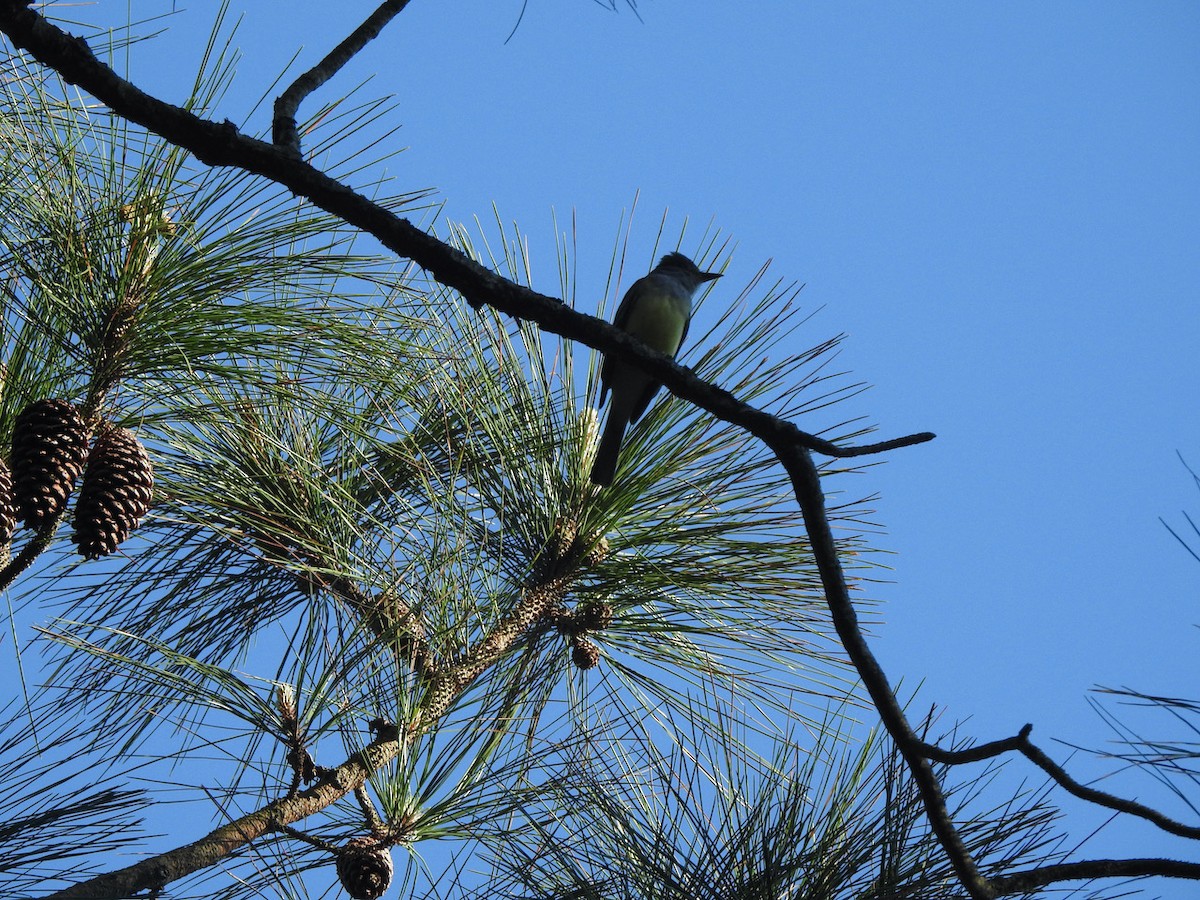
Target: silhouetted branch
column 974, row 754
column 806, row 483
column 1021, row 744
column 221, row 144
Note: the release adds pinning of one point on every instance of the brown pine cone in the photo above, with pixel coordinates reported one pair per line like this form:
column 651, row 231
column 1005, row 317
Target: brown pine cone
column 117, row 488
column 49, row 448
column 364, row 867
column 596, row 616
column 584, row 653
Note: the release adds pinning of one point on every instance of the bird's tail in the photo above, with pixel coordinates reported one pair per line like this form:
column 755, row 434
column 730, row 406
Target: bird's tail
column 609, row 450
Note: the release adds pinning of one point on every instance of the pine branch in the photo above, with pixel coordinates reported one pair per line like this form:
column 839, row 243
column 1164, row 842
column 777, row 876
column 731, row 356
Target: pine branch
column 1084, row 870
column 33, row 548
column 538, row 602
column 806, row 482
column 391, row 619
column 1020, row 743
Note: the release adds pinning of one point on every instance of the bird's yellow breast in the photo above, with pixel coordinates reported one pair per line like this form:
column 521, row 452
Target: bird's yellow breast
column 658, row 320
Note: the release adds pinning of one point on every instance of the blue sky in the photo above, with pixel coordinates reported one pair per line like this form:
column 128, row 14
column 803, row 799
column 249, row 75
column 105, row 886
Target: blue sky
column 999, row 203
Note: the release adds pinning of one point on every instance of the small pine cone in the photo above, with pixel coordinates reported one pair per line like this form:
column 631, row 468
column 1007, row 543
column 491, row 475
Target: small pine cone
column 116, row 493
column 49, row 448
column 584, row 653
column 8, row 506
column 596, row 616
column 597, row 553
column 364, row 867
column 562, row 541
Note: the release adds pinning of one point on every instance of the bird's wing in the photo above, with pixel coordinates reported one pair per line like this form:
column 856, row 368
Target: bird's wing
column 620, row 320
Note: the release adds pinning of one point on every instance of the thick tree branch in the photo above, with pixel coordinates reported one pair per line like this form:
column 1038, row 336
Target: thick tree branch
column 283, row 126
column 223, row 145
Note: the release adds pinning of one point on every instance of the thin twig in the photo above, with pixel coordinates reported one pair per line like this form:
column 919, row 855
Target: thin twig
column 973, row 754
column 1101, row 798
column 306, row 838
column 374, row 822
column 1021, row 744
column 283, row 125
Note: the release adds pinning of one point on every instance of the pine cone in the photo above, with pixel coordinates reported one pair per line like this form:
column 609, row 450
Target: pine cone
column 49, row 448
column 596, row 616
column 598, row 553
column 584, row 653
column 364, row 867
column 8, row 506
column 116, row 492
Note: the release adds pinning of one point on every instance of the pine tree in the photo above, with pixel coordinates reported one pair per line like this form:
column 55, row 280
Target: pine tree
column 377, row 605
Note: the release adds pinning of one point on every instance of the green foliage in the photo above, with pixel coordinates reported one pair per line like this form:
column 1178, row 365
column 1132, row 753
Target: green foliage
column 821, row 818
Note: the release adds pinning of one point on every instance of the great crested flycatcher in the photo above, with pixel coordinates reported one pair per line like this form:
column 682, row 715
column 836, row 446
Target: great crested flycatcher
column 656, row 310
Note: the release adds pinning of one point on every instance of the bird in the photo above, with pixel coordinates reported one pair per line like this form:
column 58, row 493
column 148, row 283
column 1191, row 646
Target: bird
column 656, row 310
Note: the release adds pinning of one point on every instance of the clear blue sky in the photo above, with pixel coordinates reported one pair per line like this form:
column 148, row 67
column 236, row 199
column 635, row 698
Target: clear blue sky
column 1000, row 203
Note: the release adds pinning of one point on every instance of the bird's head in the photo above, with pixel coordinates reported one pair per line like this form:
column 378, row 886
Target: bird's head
column 681, row 267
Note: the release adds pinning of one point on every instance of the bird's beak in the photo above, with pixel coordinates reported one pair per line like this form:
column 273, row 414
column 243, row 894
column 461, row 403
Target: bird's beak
column 709, row 276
